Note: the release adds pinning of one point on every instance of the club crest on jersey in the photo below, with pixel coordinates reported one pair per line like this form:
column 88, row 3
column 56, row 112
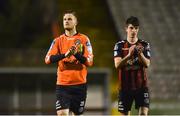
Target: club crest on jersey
column 77, row 42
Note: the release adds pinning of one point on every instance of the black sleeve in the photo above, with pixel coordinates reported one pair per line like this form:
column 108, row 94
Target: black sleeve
column 80, row 57
column 56, row 58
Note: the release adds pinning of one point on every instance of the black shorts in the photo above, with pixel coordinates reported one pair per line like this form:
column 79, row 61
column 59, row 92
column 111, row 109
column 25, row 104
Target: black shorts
column 72, row 97
column 126, row 98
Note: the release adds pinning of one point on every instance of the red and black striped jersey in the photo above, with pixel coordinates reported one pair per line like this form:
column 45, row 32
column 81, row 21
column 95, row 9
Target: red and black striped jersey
column 133, row 75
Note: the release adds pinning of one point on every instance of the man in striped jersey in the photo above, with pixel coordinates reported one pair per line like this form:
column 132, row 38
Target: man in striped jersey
column 131, row 58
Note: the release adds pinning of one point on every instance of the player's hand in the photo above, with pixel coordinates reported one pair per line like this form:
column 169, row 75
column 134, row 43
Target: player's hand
column 139, row 49
column 68, row 53
column 80, row 48
column 71, row 51
column 131, row 50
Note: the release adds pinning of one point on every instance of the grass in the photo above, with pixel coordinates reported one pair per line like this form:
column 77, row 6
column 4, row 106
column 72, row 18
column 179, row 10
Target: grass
column 158, row 107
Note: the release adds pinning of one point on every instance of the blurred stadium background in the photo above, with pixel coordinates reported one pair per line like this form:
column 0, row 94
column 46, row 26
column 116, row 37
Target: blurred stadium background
column 27, row 28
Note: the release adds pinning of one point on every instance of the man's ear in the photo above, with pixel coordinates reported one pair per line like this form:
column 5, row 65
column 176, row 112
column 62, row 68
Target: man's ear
column 77, row 21
column 125, row 28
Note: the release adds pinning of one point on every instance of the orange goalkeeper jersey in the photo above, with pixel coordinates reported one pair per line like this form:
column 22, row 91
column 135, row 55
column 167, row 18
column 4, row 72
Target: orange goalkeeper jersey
column 70, row 71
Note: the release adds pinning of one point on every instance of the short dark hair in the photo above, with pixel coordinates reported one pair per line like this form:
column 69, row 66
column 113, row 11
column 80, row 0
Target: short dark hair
column 70, row 12
column 132, row 20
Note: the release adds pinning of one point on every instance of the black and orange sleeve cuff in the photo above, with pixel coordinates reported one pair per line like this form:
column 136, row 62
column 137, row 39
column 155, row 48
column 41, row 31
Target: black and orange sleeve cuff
column 80, row 57
column 56, row 58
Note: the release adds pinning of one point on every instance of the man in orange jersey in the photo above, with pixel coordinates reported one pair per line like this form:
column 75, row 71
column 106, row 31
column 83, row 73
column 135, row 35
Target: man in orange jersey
column 73, row 53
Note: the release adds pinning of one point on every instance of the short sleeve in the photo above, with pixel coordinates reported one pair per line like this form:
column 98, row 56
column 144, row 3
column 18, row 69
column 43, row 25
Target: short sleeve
column 147, row 51
column 118, row 49
column 53, row 50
